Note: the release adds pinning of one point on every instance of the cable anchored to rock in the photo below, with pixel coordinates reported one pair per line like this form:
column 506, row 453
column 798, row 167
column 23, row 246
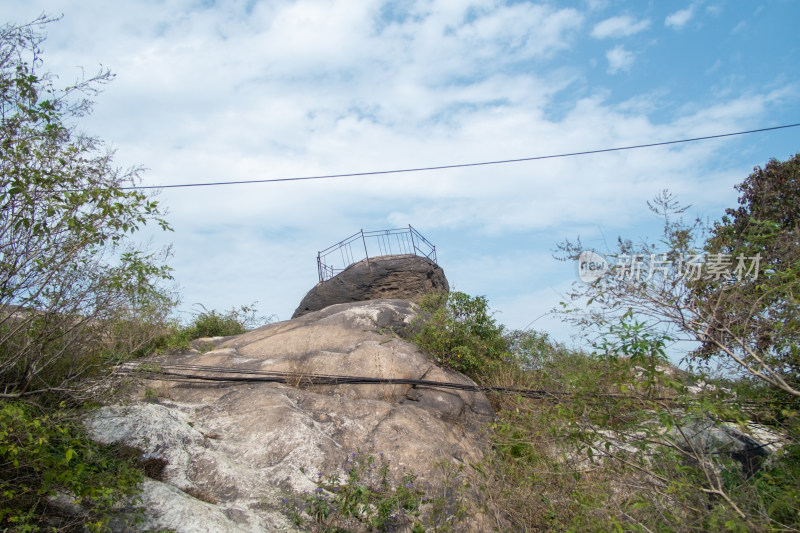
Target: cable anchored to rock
column 198, row 373
column 185, row 372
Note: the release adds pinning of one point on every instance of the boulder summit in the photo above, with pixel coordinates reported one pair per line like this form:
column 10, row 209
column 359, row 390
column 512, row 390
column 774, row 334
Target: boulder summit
column 406, row 277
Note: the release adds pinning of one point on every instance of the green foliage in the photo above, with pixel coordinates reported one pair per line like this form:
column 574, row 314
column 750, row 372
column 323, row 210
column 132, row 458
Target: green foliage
column 366, row 500
column 612, row 454
column 76, row 295
column 235, row 321
column 68, row 272
column 458, row 331
column 537, row 362
column 215, row 324
column 757, row 318
column 747, row 326
column 530, row 476
column 533, row 350
column 44, row 456
column 741, row 303
column 174, row 336
column 776, row 489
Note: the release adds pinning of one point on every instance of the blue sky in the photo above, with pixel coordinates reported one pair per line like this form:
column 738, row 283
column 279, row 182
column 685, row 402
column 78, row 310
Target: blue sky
column 234, row 90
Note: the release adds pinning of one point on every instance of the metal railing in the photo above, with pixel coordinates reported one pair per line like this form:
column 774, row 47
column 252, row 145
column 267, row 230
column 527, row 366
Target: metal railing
column 365, row 244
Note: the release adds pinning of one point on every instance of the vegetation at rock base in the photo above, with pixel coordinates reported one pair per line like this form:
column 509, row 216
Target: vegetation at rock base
column 76, row 294
column 53, row 477
column 366, row 499
column 732, row 289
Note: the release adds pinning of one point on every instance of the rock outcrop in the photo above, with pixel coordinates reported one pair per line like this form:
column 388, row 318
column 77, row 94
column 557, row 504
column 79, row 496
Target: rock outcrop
column 405, row 277
column 703, row 437
column 233, row 450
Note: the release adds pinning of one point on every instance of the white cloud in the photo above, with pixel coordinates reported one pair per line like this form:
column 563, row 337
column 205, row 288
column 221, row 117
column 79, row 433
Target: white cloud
column 283, row 89
column 597, row 5
column 621, row 26
column 679, row 19
column 619, row 59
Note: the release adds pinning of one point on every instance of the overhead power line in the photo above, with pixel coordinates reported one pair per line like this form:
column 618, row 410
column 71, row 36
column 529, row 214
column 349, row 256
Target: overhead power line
column 459, row 165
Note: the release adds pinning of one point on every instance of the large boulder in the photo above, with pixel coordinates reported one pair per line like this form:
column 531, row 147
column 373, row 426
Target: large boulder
column 404, row 277
column 234, row 450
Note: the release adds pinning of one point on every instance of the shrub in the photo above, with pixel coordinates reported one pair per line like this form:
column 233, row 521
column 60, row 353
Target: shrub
column 458, row 331
column 369, row 500
column 232, row 322
column 47, row 455
column 366, row 499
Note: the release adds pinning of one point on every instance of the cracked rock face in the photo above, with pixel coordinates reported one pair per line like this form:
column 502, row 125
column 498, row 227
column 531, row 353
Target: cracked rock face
column 408, row 277
column 234, row 449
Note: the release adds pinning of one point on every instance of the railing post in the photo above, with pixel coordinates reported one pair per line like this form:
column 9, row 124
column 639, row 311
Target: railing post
column 319, row 267
column 413, row 245
column 363, row 240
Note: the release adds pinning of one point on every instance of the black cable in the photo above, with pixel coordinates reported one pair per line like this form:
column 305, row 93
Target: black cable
column 460, row 165
column 172, row 373
column 165, row 373
column 265, row 376
column 345, row 380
